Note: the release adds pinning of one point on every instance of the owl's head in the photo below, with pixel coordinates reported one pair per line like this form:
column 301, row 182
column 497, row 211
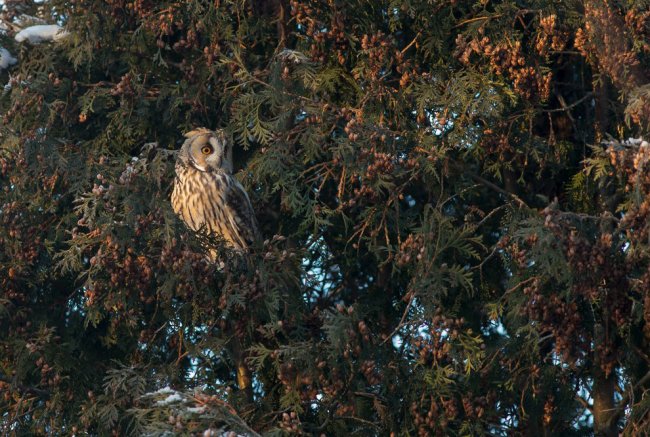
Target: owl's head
column 207, row 150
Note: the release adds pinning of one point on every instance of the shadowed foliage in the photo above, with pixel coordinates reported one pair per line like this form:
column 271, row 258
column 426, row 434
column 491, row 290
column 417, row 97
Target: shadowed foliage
column 456, row 237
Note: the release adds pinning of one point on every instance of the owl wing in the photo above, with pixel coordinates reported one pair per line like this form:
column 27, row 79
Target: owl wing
column 242, row 217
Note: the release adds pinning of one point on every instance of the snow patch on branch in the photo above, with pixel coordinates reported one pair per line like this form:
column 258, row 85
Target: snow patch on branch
column 629, row 143
column 163, row 391
column 41, row 33
column 6, row 59
column 175, row 397
column 196, row 410
column 172, row 396
column 220, row 433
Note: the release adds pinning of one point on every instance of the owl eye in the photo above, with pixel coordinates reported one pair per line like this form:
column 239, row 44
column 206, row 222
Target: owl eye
column 206, row 150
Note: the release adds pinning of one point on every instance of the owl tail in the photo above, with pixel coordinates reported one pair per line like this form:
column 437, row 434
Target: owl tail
column 243, row 372
column 243, row 376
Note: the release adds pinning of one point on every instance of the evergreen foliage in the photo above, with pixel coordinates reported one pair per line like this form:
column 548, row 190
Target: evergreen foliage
column 457, row 238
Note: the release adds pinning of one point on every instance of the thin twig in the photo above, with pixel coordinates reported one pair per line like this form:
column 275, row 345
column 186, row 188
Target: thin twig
column 486, row 259
column 565, row 107
column 524, row 282
column 400, row 325
column 490, row 214
column 497, row 188
column 584, row 403
column 408, row 46
column 358, row 419
column 370, row 395
column 471, row 20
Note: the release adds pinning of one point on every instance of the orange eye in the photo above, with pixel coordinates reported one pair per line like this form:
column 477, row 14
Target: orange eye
column 206, row 150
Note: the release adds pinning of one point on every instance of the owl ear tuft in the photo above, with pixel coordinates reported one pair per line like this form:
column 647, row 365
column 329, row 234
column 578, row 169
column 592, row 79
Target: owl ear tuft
column 198, row 131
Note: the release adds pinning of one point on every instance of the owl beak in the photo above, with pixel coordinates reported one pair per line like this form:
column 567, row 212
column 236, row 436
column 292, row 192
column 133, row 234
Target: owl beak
column 196, row 165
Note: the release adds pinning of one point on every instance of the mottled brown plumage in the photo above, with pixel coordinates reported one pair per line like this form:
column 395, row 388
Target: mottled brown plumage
column 207, row 195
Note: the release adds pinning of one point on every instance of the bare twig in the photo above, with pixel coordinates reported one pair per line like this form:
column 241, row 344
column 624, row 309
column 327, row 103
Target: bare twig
column 583, row 402
column 412, row 42
column 472, row 20
column 498, row 189
column 401, row 324
column 566, row 107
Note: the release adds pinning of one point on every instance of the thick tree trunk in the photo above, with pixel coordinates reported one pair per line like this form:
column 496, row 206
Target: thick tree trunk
column 604, row 407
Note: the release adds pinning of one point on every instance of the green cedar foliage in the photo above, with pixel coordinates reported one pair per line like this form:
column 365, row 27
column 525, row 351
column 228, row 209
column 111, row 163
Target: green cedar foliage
column 454, row 244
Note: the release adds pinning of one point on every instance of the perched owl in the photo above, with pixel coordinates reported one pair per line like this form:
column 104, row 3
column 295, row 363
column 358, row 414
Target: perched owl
column 206, row 194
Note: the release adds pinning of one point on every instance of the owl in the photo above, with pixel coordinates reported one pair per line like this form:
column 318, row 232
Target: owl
column 207, row 195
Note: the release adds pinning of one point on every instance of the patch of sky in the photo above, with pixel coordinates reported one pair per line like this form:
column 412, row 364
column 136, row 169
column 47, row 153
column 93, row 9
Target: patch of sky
column 320, row 273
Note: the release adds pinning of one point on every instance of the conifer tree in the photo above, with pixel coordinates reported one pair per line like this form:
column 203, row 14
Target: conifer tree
column 454, row 198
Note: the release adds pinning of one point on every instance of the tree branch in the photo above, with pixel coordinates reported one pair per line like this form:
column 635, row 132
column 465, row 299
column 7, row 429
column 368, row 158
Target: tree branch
column 497, row 188
column 625, row 400
column 43, row 394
